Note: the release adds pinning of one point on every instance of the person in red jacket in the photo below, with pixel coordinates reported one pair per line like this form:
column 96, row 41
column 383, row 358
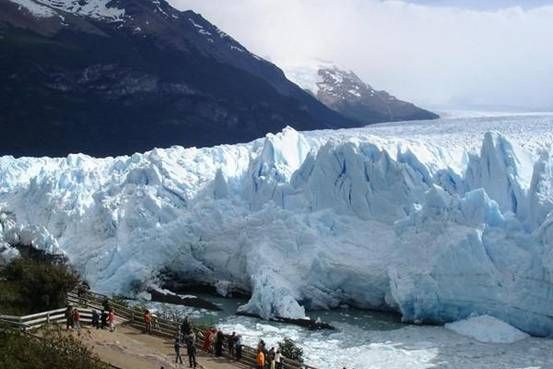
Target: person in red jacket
column 77, row 320
column 147, row 322
column 111, row 320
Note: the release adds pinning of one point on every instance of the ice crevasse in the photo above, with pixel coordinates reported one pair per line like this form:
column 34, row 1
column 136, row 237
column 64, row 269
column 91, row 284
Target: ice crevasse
column 308, row 221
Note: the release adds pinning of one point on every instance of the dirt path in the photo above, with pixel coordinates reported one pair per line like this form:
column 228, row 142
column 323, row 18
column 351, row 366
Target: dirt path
column 128, row 348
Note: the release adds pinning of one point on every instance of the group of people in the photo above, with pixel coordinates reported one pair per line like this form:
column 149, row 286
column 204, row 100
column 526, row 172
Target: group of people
column 186, row 337
column 106, row 318
column 72, row 318
column 271, row 359
column 215, row 341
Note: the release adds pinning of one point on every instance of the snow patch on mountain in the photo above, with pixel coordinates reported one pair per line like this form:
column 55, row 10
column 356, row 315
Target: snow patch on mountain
column 98, row 9
column 35, row 9
column 435, row 221
column 308, row 75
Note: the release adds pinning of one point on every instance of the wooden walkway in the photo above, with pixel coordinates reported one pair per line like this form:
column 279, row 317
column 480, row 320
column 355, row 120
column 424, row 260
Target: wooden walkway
column 128, row 347
column 167, row 328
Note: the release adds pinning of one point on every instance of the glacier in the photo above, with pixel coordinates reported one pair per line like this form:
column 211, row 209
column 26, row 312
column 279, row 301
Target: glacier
column 437, row 220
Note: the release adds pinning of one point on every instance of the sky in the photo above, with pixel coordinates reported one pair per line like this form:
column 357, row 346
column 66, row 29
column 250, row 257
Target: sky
column 436, row 53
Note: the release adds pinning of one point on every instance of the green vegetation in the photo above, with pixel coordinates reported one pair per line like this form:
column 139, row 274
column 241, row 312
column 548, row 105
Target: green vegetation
column 33, row 283
column 53, row 350
column 291, row 350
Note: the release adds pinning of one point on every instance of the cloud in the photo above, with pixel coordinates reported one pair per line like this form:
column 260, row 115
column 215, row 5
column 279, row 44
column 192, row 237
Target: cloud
column 445, row 55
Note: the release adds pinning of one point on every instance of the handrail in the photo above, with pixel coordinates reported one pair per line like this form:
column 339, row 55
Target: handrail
column 91, row 300
column 170, row 329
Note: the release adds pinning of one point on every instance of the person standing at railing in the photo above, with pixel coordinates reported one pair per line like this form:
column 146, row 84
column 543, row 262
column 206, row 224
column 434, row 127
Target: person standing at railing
column 177, row 350
column 231, row 340
column 238, row 347
column 219, row 341
column 271, row 358
column 104, row 319
column 147, row 322
column 95, row 319
column 111, row 320
column 186, row 326
column 69, row 317
column 209, row 338
column 77, row 320
column 260, row 359
column 278, row 359
column 191, row 349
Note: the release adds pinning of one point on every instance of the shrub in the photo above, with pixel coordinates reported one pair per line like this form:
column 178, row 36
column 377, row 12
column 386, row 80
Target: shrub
column 41, row 284
column 291, row 350
column 54, row 351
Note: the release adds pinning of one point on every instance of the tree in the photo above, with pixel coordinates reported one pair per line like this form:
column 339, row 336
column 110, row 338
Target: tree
column 41, row 284
column 291, row 350
column 54, row 350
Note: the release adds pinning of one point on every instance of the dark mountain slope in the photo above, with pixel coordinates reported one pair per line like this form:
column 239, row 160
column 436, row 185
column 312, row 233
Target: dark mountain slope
column 151, row 76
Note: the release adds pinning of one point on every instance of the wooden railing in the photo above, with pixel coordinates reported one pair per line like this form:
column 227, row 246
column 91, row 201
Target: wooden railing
column 29, row 323
column 35, row 321
column 163, row 327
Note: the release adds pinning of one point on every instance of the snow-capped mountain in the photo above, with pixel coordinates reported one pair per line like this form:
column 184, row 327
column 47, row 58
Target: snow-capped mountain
column 434, row 220
column 344, row 92
column 111, row 77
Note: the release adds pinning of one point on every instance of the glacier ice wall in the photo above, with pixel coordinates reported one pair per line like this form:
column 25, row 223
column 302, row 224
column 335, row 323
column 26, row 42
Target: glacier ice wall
column 436, row 226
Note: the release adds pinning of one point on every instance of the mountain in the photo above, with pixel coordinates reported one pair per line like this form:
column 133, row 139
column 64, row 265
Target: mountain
column 115, row 77
column 344, row 92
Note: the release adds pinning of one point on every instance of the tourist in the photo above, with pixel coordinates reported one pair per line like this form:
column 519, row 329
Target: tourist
column 230, row 342
column 260, row 359
column 77, row 320
column 219, row 341
column 154, row 322
column 104, row 318
column 111, row 320
column 69, row 317
column 82, row 291
column 186, row 326
column 261, row 345
column 106, row 305
column 271, row 358
column 278, row 359
column 95, row 319
column 207, row 340
column 147, row 322
column 238, row 347
column 191, row 349
column 177, row 350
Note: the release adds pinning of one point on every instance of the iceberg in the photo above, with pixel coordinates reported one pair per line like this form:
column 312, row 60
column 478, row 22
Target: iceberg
column 486, row 328
column 430, row 219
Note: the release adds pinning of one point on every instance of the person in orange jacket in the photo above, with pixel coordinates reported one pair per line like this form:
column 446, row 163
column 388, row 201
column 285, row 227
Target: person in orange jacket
column 260, row 359
column 147, row 322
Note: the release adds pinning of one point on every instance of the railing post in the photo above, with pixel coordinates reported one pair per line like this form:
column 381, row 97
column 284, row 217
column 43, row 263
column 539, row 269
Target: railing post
column 48, row 318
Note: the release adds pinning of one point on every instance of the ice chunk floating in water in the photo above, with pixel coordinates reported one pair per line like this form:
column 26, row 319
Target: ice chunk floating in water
column 436, row 220
column 486, row 328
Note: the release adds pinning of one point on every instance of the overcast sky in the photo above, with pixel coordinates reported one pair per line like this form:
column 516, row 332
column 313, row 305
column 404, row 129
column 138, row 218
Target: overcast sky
column 432, row 52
